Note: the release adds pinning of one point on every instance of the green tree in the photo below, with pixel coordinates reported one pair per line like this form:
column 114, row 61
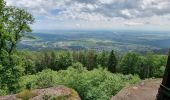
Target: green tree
column 64, row 60
column 2, row 30
column 53, row 60
column 82, row 57
column 91, row 60
column 30, row 67
column 129, row 63
column 153, row 65
column 102, row 59
column 14, row 23
column 112, row 62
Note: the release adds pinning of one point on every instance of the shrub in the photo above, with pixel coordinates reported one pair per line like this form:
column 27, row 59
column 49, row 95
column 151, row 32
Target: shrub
column 97, row 84
column 27, row 79
column 3, row 92
column 46, row 79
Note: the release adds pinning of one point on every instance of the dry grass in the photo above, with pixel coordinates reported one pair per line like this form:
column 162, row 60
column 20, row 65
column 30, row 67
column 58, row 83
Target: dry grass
column 26, row 94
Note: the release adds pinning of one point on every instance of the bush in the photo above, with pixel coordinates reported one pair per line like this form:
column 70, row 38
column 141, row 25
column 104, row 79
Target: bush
column 46, row 78
column 98, row 84
column 27, row 79
column 3, row 92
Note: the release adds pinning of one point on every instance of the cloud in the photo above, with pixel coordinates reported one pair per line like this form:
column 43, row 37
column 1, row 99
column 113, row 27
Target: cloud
column 131, row 12
column 133, row 23
column 106, row 8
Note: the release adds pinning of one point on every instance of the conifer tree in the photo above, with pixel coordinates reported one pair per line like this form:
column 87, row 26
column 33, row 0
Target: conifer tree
column 112, row 62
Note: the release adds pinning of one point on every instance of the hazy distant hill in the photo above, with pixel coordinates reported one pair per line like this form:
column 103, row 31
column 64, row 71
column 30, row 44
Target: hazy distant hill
column 99, row 40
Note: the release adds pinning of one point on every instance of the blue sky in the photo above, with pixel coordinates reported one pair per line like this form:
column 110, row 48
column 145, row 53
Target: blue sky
column 97, row 14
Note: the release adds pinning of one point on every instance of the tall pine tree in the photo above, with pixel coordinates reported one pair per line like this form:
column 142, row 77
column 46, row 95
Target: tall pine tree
column 112, row 62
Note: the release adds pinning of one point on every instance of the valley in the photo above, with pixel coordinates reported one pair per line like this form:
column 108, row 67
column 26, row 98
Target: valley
column 118, row 40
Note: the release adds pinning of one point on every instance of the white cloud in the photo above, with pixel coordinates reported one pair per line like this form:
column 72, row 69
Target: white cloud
column 133, row 23
column 108, row 8
column 106, row 1
column 134, row 12
column 126, row 13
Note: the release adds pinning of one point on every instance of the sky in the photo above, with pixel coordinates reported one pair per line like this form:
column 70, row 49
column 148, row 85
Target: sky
column 97, row 14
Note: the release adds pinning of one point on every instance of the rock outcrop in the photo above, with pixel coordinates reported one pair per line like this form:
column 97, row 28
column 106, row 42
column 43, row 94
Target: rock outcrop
column 146, row 90
column 52, row 93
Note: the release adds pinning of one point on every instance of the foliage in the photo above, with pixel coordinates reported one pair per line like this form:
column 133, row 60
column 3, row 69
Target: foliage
column 27, row 79
column 112, row 62
column 47, row 79
column 97, row 84
column 30, row 67
column 9, row 74
column 3, row 91
column 63, row 61
column 155, row 65
column 129, row 63
column 146, row 66
column 14, row 23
